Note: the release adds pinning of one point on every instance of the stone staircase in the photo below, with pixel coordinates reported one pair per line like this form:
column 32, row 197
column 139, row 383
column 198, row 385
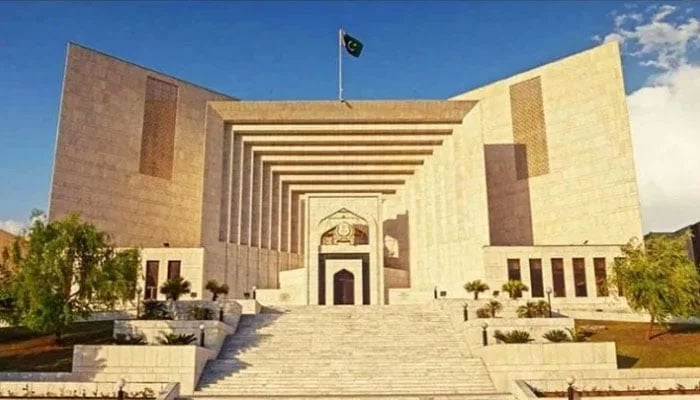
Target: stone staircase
column 358, row 352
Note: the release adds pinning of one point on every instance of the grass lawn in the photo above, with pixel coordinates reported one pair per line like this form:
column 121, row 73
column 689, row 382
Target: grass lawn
column 23, row 350
column 677, row 347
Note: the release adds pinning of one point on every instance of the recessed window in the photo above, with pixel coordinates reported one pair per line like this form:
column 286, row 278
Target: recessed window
column 558, row 277
column 580, row 277
column 151, row 280
column 536, row 286
column 513, row 269
column 601, row 277
column 173, row 269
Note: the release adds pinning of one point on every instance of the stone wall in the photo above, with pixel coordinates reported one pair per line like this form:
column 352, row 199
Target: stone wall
column 73, row 389
column 98, row 150
column 508, row 362
column 215, row 332
column 164, row 364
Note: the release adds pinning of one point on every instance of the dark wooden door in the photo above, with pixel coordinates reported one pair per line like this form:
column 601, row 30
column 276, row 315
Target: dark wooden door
column 343, row 288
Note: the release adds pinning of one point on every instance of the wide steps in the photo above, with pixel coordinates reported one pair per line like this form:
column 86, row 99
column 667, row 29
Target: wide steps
column 346, row 352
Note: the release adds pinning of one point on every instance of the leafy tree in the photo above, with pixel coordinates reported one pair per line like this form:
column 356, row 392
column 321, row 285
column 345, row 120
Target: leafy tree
column 216, row 289
column 175, row 287
column 658, row 277
column 67, row 271
column 515, row 288
column 477, row 287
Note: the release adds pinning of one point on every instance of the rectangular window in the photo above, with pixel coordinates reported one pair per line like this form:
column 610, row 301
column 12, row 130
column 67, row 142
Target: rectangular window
column 536, row 286
column 151, row 280
column 513, row 269
column 173, row 269
column 601, row 277
column 580, row 277
column 558, row 277
column 158, row 130
column 619, row 287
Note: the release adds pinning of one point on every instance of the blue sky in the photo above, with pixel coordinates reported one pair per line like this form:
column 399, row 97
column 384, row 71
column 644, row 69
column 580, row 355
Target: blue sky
column 272, row 50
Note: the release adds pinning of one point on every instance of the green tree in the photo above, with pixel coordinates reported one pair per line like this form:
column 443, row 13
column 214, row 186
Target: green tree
column 173, row 288
column 216, row 289
column 515, row 288
column 476, row 287
column 68, row 270
column 659, row 278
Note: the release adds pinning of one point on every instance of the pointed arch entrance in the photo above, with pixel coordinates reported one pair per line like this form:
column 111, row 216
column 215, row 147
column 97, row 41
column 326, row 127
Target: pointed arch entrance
column 343, row 287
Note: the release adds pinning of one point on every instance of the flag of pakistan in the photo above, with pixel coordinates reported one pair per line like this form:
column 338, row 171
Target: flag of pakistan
column 352, row 45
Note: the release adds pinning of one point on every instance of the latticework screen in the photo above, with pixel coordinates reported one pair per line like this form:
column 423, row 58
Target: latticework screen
column 158, row 136
column 527, row 113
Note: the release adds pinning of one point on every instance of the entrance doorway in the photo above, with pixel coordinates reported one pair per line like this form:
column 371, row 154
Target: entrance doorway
column 343, row 287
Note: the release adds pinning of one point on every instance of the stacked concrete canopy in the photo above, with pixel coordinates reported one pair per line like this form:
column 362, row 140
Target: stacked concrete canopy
column 363, row 202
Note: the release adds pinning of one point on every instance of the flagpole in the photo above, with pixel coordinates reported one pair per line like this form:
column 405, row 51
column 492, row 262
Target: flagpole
column 340, row 65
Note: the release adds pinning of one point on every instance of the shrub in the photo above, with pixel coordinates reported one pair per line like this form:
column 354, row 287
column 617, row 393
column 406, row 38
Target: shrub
column 216, row 289
column 514, row 336
column 576, row 335
column 476, row 287
column 557, row 336
column 200, row 313
column 529, row 310
column 121, row 338
column 154, row 309
column 483, row 312
column 515, row 288
column 494, row 307
column 175, row 339
column 542, row 309
column 173, row 288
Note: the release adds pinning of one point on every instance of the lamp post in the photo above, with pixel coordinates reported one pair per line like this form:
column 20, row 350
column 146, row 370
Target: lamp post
column 466, row 311
column 201, row 335
column 254, row 289
column 549, row 300
column 570, row 390
column 484, row 336
column 221, row 312
column 120, row 385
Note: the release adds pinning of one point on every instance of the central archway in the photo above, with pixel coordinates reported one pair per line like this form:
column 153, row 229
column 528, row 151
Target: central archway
column 343, row 287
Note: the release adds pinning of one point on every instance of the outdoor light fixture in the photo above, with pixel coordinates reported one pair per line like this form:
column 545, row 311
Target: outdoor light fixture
column 201, row 335
column 570, row 390
column 549, row 300
column 120, row 385
column 484, row 337
column 254, row 288
column 466, row 311
column 221, row 312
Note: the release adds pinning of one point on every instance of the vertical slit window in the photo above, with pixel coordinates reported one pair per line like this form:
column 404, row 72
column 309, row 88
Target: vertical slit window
column 580, row 277
column 151, row 280
column 601, row 277
column 558, row 277
column 536, row 285
column 513, row 269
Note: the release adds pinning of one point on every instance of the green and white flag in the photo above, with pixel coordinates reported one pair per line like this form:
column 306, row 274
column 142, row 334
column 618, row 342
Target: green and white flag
column 352, row 45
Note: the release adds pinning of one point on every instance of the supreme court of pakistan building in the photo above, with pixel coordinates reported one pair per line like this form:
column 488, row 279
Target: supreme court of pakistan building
column 363, row 202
